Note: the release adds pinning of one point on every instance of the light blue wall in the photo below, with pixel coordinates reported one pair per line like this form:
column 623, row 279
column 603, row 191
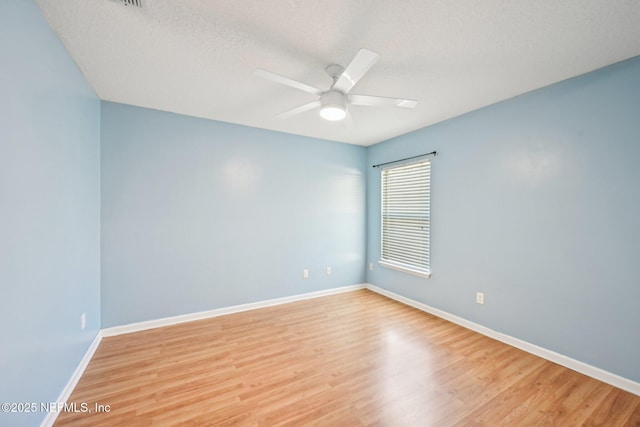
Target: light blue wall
column 49, row 211
column 536, row 203
column 198, row 214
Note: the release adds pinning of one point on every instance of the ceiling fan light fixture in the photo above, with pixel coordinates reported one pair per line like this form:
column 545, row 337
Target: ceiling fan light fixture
column 333, row 113
column 333, row 106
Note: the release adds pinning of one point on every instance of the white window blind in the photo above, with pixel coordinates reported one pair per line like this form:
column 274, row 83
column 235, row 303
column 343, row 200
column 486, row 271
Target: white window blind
column 406, row 217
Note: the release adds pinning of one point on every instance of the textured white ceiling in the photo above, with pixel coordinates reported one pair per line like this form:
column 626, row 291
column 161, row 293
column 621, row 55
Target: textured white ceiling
column 196, row 57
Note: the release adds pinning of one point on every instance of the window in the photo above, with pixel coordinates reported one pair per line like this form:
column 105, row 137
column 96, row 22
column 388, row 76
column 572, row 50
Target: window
column 406, row 217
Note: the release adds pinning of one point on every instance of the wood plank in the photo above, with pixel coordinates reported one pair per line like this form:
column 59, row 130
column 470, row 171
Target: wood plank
column 353, row 359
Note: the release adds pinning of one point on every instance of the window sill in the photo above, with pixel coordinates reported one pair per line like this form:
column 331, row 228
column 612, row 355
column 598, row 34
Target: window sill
column 405, row 269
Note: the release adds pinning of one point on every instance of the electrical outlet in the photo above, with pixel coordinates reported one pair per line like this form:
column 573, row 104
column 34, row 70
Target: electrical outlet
column 370, row 266
column 479, row 298
column 83, row 321
column 328, row 271
column 305, row 274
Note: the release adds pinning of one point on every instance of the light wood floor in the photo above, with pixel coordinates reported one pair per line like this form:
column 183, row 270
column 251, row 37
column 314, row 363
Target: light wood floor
column 351, row 359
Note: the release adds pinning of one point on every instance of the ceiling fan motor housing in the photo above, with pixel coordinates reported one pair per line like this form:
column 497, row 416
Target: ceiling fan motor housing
column 333, row 105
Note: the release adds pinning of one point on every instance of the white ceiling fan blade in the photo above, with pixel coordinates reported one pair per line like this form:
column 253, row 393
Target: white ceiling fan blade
column 359, row 65
column 300, row 109
column 348, row 122
column 286, row 81
column 380, row 101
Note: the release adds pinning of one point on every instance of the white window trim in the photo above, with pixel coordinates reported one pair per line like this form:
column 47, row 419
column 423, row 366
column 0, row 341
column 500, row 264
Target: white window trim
column 405, row 269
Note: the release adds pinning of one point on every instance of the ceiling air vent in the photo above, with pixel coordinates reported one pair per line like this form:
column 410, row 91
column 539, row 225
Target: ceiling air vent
column 136, row 3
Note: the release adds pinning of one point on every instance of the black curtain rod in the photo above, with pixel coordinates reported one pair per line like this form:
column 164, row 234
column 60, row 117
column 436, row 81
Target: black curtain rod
column 433, row 153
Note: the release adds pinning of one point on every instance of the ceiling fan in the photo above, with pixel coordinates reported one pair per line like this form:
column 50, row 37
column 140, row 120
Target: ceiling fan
column 334, row 101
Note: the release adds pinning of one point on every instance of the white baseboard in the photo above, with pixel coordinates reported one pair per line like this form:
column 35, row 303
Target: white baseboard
column 167, row 321
column 566, row 361
column 73, row 381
